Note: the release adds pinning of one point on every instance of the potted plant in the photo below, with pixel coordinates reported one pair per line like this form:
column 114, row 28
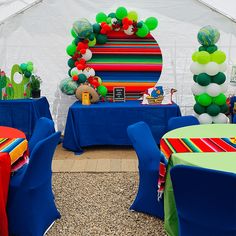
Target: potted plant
column 35, row 86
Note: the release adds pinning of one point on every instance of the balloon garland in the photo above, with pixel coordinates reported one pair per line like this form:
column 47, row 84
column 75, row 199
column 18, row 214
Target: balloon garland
column 86, row 35
column 208, row 68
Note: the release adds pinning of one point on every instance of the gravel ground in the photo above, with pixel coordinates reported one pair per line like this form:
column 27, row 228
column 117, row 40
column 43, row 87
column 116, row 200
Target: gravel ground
column 97, row 204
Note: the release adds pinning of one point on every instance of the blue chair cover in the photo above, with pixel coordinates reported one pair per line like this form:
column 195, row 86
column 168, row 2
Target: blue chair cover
column 149, row 159
column 205, row 201
column 43, row 128
column 31, row 208
column 181, row 121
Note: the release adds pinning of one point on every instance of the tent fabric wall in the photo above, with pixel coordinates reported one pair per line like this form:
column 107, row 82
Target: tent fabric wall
column 42, row 33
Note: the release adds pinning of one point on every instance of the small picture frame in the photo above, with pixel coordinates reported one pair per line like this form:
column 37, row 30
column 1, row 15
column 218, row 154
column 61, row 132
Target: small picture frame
column 119, row 94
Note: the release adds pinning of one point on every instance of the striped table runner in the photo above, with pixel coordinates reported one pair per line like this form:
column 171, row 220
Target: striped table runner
column 181, row 145
column 127, row 61
column 17, row 148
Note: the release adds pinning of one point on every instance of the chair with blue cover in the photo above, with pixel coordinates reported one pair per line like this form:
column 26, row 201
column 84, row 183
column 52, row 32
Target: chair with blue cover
column 31, row 208
column 205, row 201
column 43, row 128
column 181, row 121
column 149, row 157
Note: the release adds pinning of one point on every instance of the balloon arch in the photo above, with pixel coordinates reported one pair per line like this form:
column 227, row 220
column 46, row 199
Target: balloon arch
column 85, row 35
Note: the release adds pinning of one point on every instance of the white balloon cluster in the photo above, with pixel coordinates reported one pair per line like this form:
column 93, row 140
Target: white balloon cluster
column 211, row 68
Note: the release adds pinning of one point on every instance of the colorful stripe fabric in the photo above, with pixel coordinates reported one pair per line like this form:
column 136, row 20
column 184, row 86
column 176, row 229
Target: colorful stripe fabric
column 182, row 145
column 127, row 61
column 17, row 148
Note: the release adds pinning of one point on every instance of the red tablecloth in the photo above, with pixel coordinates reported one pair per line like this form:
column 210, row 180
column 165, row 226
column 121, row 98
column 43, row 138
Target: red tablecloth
column 5, row 169
column 13, row 154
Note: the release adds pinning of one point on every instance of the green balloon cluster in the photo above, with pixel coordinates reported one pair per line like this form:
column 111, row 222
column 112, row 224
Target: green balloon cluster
column 27, row 68
column 210, row 101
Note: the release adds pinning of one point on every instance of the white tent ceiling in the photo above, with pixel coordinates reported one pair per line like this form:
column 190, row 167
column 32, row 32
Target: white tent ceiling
column 42, row 33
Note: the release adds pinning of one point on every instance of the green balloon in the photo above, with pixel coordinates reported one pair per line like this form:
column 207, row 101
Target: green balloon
column 73, row 33
column 102, row 90
column 143, row 31
column 204, row 99
column 203, row 79
column 71, row 63
column 132, row 15
column 27, row 74
column 196, row 98
column 194, row 56
column 199, row 109
column 203, row 57
column 30, row 63
column 211, row 49
column 112, row 15
column 23, row 66
column 101, row 17
column 69, row 71
column 219, row 78
column 213, row 110
column 96, row 28
column 220, row 99
column 77, row 40
column 82, row 78
column 101, row 38
column 195, row 78
column 202, row 48
column 121, row 13
column 151, row 23
column 224, row 108
column 92, row 43
column 30, row 68
column 218, row 56
column 108, row 20
column 140, row 24
column 71, row 49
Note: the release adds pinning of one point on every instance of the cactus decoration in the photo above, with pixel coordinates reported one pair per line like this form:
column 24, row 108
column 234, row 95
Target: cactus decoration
column 208, row 68
column 10, row 89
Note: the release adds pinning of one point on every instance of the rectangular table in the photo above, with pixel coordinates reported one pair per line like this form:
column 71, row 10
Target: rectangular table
column 106, row 123
column 23, row 113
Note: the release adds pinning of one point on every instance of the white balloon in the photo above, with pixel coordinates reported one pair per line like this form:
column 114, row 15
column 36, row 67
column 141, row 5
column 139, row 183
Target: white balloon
column 88, row 55
column 204, row 118
column 222, row 67
column 221, row 118
column 212, row 68
column 88, row 71
column 130, row 30
column 224, row 87
column 198, row 89
column 213, row 89
column 196, row 68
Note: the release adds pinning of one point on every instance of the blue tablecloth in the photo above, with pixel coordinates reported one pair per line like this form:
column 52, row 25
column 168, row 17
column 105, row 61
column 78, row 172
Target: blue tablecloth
column 106, row 123
column 23, row 113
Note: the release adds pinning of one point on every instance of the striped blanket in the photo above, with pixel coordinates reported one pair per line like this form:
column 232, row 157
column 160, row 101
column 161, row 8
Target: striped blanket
column 181, row 145
column 17, row 148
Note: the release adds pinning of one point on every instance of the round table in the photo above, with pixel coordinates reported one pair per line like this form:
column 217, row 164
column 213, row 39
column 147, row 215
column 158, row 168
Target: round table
column 224, row 161
column 8, row 132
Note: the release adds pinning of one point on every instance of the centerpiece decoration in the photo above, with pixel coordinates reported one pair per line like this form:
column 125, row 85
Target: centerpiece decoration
column 90, row 61
column 209, row 85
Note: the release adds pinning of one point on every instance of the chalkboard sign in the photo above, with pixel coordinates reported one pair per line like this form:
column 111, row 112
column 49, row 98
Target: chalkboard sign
column 119, row 94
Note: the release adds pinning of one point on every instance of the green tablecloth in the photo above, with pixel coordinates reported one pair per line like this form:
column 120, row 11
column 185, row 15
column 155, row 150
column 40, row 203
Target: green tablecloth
column 217, row 160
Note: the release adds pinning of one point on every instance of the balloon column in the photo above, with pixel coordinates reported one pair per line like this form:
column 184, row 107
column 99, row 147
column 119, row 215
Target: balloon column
column 208, row 68
column 86, row 35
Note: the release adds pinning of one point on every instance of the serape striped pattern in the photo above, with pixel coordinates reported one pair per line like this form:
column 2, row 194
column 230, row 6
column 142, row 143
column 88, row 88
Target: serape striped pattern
column 127, row 61
column 17, row 148
column 181, row 145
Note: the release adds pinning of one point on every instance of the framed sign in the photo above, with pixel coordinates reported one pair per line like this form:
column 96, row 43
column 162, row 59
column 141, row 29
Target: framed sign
column 119, row 94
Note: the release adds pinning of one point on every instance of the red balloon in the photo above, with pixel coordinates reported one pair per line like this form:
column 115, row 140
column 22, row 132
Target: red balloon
column 103, row 23
column 82, row 61
column 76, row 63
column 103, row 31
column 83, row 51
column 81, row 46
column 80, row 67
column 90, row 79
column 125, row 27
column 75, row 77
column 125, row 21
column 130, row 22
column 95, row 83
